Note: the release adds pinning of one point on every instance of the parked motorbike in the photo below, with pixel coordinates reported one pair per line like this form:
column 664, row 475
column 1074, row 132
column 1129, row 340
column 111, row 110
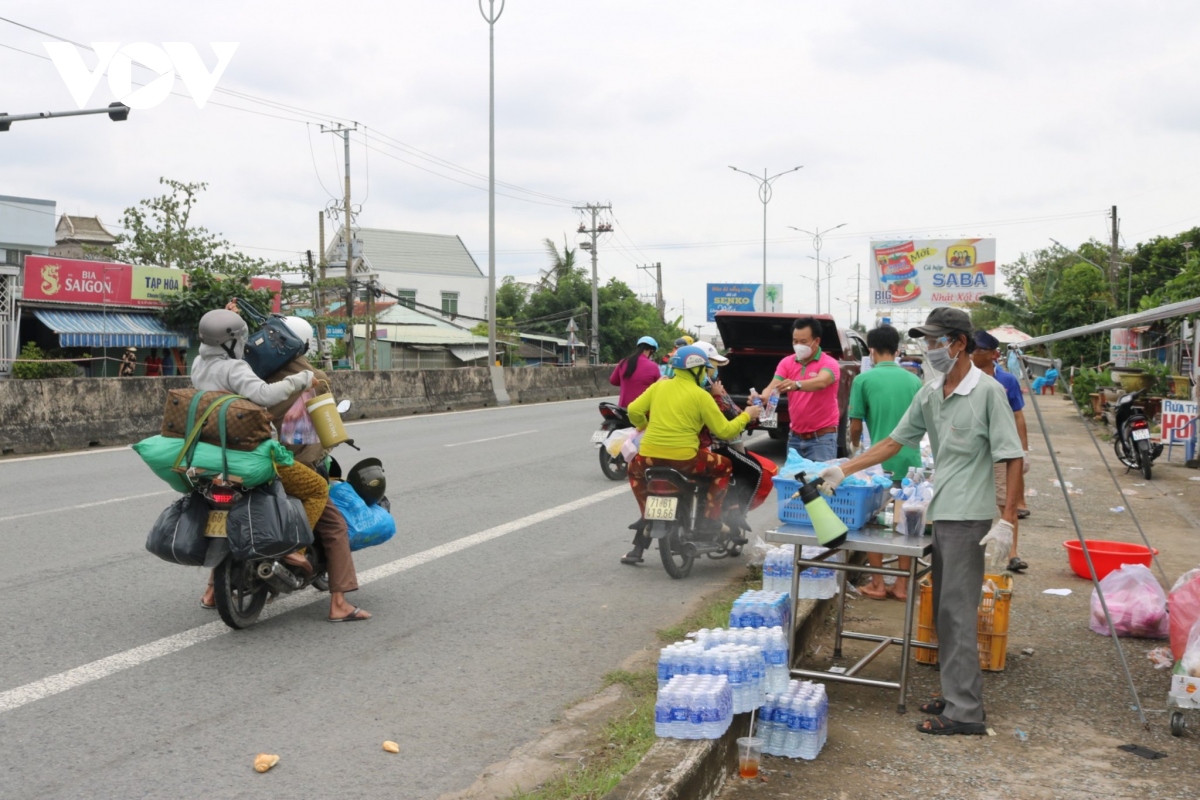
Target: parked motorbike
column 1132, row 441
column 614, row 418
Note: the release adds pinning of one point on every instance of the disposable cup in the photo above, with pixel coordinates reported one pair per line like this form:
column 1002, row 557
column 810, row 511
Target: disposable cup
column 749, row 756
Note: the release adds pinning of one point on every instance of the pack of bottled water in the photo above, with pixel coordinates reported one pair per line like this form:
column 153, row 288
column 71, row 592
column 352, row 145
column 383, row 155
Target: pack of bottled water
column 816, row 583
column 795, row 723
column 761, row 609
column 772, row 641
column 743, row 666
column 777, row 568
column 694, row 707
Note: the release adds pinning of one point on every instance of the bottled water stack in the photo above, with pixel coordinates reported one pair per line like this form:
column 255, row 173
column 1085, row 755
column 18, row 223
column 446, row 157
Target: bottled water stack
column 771, row 641
column 795, row 723
column 761, row 609
column 777, row 569
column 743, row 666
column 694, row 707
column 816, row 583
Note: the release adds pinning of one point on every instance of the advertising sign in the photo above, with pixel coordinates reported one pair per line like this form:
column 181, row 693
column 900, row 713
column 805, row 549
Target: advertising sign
column 925, row 273
column 74, row 282
column 1177, row 416
column 1122, row 346
column 743, row 297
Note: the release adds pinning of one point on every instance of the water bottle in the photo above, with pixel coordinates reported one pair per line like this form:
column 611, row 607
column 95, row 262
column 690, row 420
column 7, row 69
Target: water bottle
column 795, row 723
column 772, row 403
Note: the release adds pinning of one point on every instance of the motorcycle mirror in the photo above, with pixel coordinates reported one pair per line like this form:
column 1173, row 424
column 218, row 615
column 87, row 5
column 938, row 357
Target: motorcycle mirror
column 343, row 406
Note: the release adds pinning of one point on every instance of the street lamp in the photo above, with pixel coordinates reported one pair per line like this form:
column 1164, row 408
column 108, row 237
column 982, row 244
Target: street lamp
column 117, row 112
column 491, row 16
column 817, row 246
column 828, row 279
column 764, row 194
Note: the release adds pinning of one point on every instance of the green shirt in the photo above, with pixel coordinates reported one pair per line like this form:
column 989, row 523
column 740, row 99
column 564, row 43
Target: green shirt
column 880, row 396
column 969, row 431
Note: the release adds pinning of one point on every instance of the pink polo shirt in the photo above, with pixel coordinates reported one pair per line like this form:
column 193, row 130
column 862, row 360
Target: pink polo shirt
column 811, row 411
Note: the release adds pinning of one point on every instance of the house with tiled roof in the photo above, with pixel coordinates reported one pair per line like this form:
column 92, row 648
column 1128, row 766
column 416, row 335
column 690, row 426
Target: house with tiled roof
column 82, row 238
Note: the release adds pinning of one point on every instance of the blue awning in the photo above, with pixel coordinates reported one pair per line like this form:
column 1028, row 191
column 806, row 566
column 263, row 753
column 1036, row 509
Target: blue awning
column 117, row 329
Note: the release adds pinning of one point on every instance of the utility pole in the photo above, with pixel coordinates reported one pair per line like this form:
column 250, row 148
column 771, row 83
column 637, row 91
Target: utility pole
column 658, row 296
column 322, row 351
column 858, row 297
column 491, row 16
column 597, row 228
column 344, row 132
column 1113, row 260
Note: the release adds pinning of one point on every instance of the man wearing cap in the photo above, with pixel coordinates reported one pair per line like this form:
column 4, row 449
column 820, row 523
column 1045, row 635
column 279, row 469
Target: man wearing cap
column 810, row 379
column 987, row 353
column 970, row 427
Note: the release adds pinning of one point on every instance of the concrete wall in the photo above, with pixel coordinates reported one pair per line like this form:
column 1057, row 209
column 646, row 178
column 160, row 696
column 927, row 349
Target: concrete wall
column 76, row 413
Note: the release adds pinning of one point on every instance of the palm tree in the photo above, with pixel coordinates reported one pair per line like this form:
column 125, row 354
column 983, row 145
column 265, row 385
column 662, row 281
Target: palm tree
column 561, row 264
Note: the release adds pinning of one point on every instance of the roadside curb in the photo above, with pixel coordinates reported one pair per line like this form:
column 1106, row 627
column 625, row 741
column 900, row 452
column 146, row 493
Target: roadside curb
column 674, row 769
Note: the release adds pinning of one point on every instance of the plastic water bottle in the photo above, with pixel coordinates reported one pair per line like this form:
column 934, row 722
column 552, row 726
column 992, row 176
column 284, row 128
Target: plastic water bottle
column 772, row 404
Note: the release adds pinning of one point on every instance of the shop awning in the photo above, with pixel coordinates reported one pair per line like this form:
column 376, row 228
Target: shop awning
column 116, row 329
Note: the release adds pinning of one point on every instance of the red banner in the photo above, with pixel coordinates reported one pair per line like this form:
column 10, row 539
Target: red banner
column 100, row 283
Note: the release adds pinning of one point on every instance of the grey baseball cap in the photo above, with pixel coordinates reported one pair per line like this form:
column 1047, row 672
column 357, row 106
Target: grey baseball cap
column 942, row 321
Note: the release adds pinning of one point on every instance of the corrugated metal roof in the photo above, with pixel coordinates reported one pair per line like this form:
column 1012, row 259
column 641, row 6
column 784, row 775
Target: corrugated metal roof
column 97, row 329
column 421, row 334
column 539, row 338
column 472, row 353
column 400, row 314
column 406, row 251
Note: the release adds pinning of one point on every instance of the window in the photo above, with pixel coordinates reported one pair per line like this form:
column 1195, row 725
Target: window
column 450, row 303
column 407, row 297
column 16, row 257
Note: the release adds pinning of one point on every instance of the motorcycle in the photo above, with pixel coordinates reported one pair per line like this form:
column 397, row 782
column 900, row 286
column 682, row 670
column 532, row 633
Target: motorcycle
column 1132, row 441
column 615, row 418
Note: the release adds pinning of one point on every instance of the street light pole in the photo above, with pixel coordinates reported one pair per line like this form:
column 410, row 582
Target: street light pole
column 817, row 246
column 117, row 112
column 764, row 194
column 491, row 16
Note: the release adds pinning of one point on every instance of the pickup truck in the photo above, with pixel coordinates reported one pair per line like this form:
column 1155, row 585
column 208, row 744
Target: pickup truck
column 755, row 343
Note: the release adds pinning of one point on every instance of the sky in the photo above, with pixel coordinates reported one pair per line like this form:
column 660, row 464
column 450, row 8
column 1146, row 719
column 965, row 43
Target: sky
column 1019, row 120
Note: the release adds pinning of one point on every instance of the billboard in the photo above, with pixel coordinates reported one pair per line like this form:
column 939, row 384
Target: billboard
column 743, row 297
column 924, row 273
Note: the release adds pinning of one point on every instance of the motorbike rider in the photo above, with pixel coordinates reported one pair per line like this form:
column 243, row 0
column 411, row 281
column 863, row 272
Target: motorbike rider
column 672, row 413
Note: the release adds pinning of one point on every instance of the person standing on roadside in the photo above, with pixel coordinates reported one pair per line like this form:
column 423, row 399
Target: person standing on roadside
column 987, row 352
column 881, row 396
column 810, row 380
column 128, row 363
column 970, row 427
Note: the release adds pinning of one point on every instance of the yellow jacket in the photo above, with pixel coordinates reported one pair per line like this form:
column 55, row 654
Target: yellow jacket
column 673, row 412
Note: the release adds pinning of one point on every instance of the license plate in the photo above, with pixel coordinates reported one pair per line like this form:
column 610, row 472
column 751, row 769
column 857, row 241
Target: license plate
column 662, row 508
column 773, row 422
column 599, row 436
column 1139, row 435
column 216, row 524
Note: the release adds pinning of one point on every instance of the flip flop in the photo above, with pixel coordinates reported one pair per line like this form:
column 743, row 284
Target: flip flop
column 863, row 591
column 353, row 616
column 1016, row 565
column 942, row 725
column 934, row 707
column 207, row 607
column 1023, row 513
column 631, row 559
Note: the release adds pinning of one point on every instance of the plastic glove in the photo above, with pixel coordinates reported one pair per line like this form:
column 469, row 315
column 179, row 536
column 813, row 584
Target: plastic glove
column 299, row 381
column 1001, row 533
column 1025, row 466
column 832, row 477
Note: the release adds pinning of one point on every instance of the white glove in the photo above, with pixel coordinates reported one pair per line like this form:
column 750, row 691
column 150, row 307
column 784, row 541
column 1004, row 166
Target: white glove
column 1025, row 466
column 833, row 477
column 300, row 381
column 1001, row 533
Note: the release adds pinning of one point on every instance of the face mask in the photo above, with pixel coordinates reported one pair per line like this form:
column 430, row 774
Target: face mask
column 803, row 351
column 940, row 359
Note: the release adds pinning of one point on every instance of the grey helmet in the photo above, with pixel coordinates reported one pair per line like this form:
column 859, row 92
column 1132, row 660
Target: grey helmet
column 225, row 329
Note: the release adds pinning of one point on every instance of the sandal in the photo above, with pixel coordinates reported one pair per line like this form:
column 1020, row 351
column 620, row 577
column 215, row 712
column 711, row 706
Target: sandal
column 633, row 557
column 944, row 726
column 1015, row 564
column 934, row 707
column 865, row 592
column 353, row 616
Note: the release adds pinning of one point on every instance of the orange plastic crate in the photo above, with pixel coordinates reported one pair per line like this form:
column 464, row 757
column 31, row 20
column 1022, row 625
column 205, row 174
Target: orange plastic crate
column 993, row 624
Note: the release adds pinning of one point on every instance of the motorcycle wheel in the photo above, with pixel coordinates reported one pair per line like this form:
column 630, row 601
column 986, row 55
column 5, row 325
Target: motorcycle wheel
column 238, row 608
column 1123, row 454
column 615, row 469
column 670, row 549
column 1144, row 457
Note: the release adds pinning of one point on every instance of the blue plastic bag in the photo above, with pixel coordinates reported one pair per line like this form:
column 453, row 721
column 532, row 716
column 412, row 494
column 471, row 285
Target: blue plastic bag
column 368, row 525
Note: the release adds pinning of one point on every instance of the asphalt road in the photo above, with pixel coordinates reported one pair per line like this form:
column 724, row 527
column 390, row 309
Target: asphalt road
column 499, row 602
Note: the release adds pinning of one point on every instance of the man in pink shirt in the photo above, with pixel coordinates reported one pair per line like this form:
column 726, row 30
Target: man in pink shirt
column 810, row 380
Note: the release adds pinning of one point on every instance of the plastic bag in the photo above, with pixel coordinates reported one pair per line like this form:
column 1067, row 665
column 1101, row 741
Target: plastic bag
column 266, row 523
column 178, row 533
column 367, row 525
column 1190, row 660
column 297, row 427
column 616, row 440
column 1136, row 603
column 632, row 445
column 1184, row 605
column 255, row 467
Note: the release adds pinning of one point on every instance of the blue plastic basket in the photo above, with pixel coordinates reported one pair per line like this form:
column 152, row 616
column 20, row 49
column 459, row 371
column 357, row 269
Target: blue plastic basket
column 854, row 505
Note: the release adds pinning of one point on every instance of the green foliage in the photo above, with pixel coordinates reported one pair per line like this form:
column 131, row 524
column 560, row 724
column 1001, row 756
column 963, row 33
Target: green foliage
column 506, row 333
column 159, row 232
column 25, row 370
column 510, row 297
column 1160, row 375
column 1086, row 382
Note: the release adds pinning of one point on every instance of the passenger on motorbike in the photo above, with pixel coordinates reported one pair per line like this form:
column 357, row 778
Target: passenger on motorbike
column 672, row 413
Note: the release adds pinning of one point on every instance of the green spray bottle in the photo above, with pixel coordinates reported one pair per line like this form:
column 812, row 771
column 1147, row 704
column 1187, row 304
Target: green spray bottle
column 831, row 531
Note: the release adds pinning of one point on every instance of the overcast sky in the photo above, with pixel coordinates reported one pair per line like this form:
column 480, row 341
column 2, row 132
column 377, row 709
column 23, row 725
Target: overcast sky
column 1018, row 120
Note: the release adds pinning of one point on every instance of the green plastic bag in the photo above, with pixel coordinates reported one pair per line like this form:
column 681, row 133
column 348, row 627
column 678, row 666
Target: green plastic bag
column 255, row 467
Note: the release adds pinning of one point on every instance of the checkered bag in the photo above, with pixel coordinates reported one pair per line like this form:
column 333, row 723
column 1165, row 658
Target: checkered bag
column 247, row 424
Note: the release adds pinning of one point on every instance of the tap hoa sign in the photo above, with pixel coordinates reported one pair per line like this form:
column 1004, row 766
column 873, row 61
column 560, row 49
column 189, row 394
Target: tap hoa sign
column 118, row 61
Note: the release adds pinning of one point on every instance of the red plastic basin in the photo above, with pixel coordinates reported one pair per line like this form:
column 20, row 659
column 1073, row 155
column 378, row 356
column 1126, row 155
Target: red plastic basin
column 1106, row 556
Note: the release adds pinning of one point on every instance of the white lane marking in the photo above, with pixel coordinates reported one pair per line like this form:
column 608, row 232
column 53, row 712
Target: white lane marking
column 422, row 415
column 490, row 438
column 64, row 455
column 88, row 505
column 72, row 678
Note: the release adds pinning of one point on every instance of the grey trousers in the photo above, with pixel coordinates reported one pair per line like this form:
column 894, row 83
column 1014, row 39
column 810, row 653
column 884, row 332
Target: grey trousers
column 957, row 586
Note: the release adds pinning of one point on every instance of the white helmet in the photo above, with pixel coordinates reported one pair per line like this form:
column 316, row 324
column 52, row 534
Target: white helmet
column 710, row 350
column 302, row 329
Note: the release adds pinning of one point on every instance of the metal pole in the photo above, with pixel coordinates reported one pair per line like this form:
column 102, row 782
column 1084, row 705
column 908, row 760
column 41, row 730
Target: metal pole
column 349, row 261
column 491, row 16
column 764, row 195
column 595, row 293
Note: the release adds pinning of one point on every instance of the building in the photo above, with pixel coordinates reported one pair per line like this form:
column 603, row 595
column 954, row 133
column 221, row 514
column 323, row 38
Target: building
column 431, row 272
column 26, row 228
column 83, row 238
column 414, row 339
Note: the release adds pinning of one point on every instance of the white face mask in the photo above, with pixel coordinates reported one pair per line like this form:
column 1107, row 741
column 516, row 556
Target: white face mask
column 940, row 359
column 803, row 351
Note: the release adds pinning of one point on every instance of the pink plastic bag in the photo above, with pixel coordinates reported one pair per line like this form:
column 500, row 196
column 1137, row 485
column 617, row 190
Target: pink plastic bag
column 1136, row 603
column 1184, row 604
column 297, row 427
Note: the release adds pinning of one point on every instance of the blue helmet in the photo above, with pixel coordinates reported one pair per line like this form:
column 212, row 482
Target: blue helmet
column 648, row 340
column 689, row 357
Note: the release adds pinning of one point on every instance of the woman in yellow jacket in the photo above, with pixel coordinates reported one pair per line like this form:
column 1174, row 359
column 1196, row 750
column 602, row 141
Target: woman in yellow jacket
column 672, row 413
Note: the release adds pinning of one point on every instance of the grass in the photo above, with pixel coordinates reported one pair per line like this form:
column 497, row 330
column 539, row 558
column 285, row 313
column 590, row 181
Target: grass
column 626, row 738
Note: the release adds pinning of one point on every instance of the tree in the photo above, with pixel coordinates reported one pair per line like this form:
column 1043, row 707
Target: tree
column 510, row 297
column 159, row 232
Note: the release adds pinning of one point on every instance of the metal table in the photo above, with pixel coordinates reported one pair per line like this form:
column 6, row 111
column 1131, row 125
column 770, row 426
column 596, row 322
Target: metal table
column 872, row 539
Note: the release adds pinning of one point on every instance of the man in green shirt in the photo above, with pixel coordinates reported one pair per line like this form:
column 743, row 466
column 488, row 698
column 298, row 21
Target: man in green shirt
column 880, row 396
column 970, row 427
